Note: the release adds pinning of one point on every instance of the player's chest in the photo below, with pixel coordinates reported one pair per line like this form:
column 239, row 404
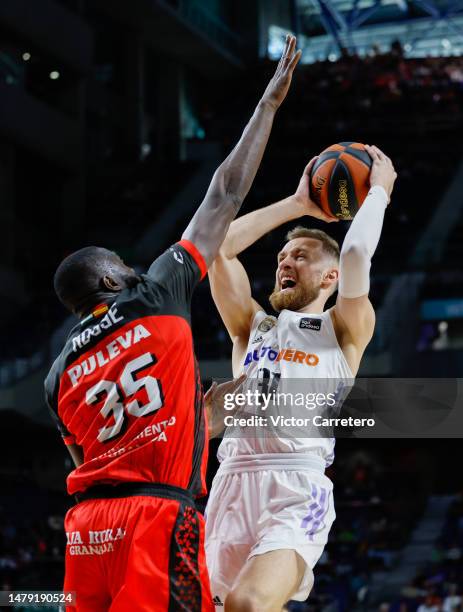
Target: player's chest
column 290, row 344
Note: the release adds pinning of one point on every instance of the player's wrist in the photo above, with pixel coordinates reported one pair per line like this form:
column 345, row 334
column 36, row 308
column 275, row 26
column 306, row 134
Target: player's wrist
column 268, row 105
column 381, row 190
column 297, row 206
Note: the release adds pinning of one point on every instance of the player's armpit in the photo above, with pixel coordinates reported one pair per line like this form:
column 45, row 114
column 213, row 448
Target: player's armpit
column 240, row 346
column 357, row 317
column 231, row 291
column 77, row 453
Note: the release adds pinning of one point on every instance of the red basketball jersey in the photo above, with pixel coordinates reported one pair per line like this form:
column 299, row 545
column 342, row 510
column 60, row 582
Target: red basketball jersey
column 126, row 386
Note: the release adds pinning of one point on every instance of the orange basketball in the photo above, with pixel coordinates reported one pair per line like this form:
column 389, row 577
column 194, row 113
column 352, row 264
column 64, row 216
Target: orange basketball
column 339, row 180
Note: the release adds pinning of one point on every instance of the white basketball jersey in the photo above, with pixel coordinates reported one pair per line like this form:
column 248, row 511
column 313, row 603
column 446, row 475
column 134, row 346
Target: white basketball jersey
column 289, row 353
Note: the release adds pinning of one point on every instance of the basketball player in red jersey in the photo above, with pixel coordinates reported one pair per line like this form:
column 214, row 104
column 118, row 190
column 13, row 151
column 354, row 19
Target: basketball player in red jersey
column 126, row 395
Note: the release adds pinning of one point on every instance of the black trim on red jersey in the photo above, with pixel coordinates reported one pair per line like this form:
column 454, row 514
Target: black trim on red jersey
column 178, row 272
column 195, row 485
column 135, row 489
column 184, row 579
column 195, row 253
column 51, row 386
column 58, row 422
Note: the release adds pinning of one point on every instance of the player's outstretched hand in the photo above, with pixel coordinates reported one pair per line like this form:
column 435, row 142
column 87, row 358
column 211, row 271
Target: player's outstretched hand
column 279, row 84
column 214, row 404
column 303, row 199
column 382, row 171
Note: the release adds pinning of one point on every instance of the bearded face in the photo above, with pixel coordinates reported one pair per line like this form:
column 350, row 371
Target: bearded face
column 294, row 297
column 298, row 281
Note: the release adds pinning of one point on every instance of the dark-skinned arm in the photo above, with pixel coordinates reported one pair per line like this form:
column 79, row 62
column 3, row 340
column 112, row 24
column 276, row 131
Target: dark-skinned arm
column 233, row 178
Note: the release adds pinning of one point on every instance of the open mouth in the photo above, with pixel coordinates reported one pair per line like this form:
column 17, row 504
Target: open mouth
column 287, row 283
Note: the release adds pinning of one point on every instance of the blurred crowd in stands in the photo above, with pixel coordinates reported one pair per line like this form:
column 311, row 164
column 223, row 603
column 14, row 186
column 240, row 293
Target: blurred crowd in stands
column 25, row 546
column 439, row 586
column 31, row 552
column 386, row 83
column 444, row 332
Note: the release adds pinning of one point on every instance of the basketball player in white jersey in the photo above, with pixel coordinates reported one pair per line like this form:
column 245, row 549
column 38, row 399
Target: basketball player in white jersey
column 270, row 507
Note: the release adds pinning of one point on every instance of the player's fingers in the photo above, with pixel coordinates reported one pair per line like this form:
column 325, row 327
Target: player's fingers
column 287, row 46
column 388, row 162
column 292, row 43
column 384, row 157
column 210, row 393
column 211, row 390
column 233, row 385
column 375, row 155
column 371, row 152
column 294, row 61
column 384, row 154
column 379, row 153
column 287, row 41
column 309, row 166
column 285, row 50
column 290, row 50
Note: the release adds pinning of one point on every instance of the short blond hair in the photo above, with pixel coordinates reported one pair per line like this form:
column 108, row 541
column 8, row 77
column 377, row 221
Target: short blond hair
column 329, row 245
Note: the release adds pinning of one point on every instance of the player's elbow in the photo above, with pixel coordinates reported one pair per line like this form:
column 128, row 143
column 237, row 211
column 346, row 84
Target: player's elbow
column 353, row 254
column 227, row 189
column 226, row 251
column 228, row 201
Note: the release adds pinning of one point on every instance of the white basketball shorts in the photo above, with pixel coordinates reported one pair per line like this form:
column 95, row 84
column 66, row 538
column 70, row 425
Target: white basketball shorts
column 260, row 503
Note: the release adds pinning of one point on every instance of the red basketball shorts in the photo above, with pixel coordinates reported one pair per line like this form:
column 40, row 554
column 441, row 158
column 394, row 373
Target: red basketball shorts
column 139, row 553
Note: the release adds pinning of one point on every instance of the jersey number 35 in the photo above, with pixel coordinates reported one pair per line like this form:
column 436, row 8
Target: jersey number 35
column 117, row 401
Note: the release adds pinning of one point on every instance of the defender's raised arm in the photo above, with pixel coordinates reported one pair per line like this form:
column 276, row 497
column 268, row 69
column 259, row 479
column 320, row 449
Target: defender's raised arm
column 233, row 178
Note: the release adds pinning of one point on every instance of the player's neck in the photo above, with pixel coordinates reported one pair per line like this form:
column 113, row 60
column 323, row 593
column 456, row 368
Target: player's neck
column 97, row 300
column 317, row 306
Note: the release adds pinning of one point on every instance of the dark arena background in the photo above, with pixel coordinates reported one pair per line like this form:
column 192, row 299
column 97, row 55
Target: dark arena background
column 113, row 117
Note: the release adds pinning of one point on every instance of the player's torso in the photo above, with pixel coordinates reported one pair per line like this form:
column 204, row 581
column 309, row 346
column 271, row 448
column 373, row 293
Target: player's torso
column 130, row 394
column 297, row 345
column 294, row 353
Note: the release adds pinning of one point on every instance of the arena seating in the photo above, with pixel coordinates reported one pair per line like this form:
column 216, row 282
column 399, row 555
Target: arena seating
column 438, row 587
column 31, row 551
